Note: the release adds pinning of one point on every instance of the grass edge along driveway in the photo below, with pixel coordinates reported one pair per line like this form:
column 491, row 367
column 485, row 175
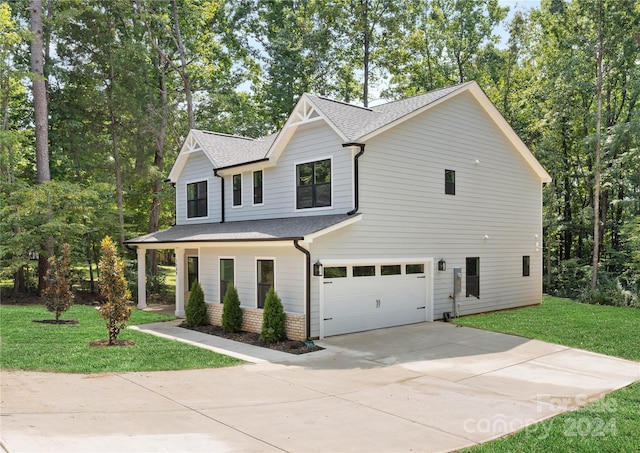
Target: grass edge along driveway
column 609, row 425
column 26, row 345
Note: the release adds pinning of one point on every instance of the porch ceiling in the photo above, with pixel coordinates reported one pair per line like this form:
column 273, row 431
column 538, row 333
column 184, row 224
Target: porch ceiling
column 290, row 228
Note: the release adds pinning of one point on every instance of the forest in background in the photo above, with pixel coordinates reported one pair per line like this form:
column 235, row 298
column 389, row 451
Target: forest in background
column 97, row 96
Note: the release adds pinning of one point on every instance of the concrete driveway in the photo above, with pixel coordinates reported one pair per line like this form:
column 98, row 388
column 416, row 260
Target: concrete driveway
column 426, row 387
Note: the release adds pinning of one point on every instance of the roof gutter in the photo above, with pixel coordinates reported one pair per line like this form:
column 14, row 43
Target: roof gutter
column 356, row 171
column 215, row 173
column 307, row 288
column 257, row 161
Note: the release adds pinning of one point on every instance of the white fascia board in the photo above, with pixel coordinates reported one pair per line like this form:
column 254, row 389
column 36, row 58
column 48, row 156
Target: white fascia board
column 301, row 115
column 310, row 237
column 212, row 244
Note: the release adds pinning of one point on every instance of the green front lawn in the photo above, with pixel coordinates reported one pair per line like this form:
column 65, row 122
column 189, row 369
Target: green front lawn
column 609, row 425
column 28, row 345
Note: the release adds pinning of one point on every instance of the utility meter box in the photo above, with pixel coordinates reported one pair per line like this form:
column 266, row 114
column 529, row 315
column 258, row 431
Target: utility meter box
column 457, row 280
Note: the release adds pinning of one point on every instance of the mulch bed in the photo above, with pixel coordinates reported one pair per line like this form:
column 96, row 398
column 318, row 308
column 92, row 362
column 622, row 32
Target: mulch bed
column 59, row 321
column 290, row 346
column 105, row 343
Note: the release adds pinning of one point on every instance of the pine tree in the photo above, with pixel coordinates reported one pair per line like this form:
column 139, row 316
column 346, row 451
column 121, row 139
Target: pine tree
column 273, row 319
column 231, row 311
column 113, row 287
column 58, row 294
column 196, row 310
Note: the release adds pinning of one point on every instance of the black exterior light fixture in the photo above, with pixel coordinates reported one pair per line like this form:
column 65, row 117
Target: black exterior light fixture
column 442, row 265
column 317, row 269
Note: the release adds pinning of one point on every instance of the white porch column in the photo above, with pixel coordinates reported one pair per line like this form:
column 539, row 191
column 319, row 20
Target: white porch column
column 142, row 278
column 180, row 275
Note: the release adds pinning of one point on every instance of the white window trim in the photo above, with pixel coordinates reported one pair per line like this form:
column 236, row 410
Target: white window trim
column 236, row 206
column 255, row 276
column 186, row 200
column 253, row 188
column 220, row 258
column 295, row 185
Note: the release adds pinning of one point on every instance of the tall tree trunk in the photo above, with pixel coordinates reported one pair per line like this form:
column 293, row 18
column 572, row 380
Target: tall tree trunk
column 367, row 50
column 158, row 162
column 41, row 120
column 597, row 167
column 116, row 153
column 183, row 63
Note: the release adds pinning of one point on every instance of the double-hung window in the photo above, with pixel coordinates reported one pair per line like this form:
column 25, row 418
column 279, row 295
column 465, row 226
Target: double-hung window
column 257, row 187
column 197, row 199
column 266, row 279
column 226, row 276
column 237, row 190
column 313, row 184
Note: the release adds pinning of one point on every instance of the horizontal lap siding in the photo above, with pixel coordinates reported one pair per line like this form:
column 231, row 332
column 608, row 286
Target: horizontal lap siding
column 198, row 168
column 311, row 142
column 289, row 278
column 407, row 214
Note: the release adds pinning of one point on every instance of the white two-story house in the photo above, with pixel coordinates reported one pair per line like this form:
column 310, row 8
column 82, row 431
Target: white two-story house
column 360, row 218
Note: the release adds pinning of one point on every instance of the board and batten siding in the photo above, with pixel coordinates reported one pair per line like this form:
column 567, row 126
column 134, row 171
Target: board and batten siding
column 312, row 141
column 495, row 213
column 289, row 273
column 198, row 168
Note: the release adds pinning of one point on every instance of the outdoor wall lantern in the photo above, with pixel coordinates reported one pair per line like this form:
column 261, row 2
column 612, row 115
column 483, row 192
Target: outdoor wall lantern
column 442, row 265
column 317, row 269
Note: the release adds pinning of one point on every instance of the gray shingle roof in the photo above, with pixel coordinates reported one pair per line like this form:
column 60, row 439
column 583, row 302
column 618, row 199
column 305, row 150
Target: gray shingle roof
column 249, row 230
column 356, row 122
column 352, row 121
column 227, row 150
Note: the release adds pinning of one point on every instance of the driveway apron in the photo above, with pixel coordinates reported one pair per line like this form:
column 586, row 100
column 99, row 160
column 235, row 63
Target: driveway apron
column 426, row 387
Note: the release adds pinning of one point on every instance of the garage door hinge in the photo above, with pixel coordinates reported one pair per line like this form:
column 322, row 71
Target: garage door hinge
column 422, row 276
column 327, row 283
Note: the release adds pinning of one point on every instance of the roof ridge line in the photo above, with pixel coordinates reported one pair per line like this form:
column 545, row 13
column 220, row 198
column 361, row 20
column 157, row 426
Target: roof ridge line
column 230, row 135
column 368, row 109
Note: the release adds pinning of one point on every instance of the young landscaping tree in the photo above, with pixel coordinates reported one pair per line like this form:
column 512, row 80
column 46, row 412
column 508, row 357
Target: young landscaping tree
column 196, row 310
column 113, row 286
column 58, row 295
column 273, row 318
column 231, row 311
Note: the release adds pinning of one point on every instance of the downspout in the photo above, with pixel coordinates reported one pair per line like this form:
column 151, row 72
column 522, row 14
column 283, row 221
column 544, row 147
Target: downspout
column 215, row 173
column 356, row 173
column 308, row 290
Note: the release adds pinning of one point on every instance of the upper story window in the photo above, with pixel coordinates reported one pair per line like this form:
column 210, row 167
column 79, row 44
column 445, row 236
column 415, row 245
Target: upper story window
column 450, row 182
column 237, row 190
column 197, row 199
column 257, row 187
column 313, row 184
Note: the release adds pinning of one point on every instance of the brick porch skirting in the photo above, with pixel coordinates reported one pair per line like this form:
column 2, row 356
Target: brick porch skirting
column 252, row 321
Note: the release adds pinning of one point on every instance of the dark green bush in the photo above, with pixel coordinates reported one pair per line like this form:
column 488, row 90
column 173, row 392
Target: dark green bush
column 273, row 319
column 231, row 311
column 196, row 310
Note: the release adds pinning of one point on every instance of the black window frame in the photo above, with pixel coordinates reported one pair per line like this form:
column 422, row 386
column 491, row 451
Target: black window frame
column 192, row 271
column 258, row 189
column 526, row 265
column 450, row 182
column 224, row 284
column 236, row 185
column 319, row 193
column 262, row 288
column 473, row 277
column 197, row 199
column 364, row 270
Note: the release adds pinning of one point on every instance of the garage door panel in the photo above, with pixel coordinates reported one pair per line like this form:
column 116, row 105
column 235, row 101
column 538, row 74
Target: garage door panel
column 353, row 304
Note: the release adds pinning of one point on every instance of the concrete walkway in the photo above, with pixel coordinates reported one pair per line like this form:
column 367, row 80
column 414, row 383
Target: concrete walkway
column 427, row 387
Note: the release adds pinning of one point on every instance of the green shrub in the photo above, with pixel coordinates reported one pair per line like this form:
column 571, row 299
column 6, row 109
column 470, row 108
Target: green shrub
column 196, row 310
column 273, row 319
column 231, row 311
column 58, row 296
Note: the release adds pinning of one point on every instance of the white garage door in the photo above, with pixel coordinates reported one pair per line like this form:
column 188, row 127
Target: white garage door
column 365, row 297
